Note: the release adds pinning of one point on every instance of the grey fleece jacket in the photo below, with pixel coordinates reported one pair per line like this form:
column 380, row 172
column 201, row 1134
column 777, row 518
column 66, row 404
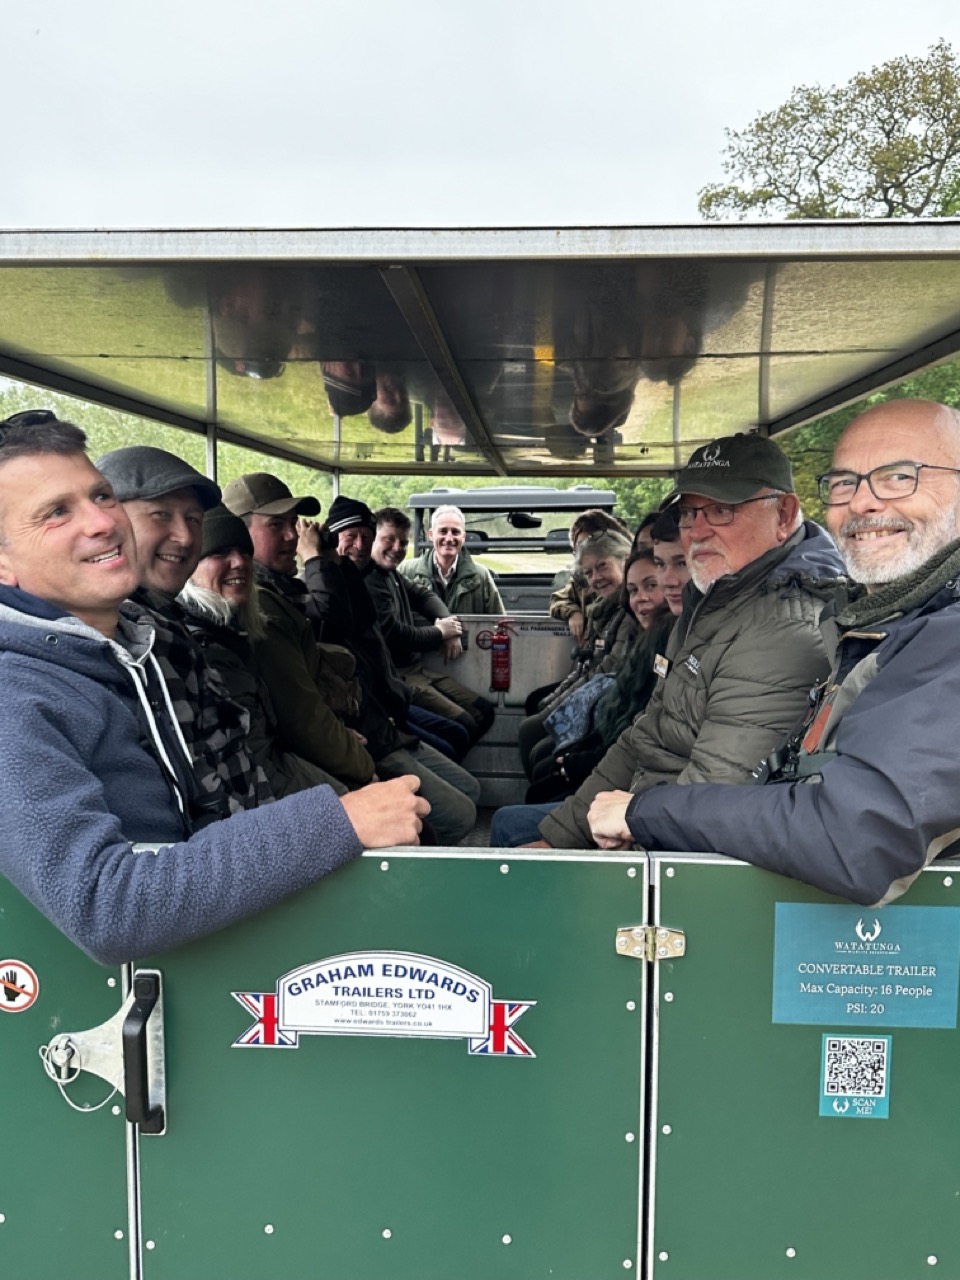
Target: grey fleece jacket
column 83, row 782
column 741, row 662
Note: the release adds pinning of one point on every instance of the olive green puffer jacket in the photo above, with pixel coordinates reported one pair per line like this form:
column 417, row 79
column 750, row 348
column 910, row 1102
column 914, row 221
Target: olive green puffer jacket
column 742, row 660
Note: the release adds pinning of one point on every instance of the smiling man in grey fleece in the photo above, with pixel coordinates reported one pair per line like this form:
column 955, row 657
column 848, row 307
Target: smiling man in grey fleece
column 97, row 825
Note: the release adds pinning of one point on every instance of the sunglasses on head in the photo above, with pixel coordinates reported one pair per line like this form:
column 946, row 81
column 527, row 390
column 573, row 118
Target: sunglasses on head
column 28, row 418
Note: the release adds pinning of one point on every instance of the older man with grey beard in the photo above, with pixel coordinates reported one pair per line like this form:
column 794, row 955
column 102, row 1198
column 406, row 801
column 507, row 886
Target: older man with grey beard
column 877, row 741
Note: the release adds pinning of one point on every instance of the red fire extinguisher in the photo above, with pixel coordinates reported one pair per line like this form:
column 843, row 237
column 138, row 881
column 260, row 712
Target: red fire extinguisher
column 498, row 642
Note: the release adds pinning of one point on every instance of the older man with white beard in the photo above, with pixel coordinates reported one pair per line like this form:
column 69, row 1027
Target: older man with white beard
column 738, row 667
column 877, row 741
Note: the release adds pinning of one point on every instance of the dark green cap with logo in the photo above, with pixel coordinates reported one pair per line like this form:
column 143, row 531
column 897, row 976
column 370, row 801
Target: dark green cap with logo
column 734, row 468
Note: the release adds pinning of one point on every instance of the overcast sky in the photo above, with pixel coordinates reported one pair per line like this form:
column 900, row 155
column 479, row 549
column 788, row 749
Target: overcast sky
column 407, row 112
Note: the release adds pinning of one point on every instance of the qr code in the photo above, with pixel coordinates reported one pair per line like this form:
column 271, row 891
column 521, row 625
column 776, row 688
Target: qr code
column 855, row 1065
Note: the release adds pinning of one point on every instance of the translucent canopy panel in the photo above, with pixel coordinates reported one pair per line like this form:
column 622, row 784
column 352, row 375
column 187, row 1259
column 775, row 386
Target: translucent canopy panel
column 514, row 352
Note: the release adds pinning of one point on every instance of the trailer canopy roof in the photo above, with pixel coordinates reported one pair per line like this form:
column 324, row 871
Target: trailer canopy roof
column 510, row 352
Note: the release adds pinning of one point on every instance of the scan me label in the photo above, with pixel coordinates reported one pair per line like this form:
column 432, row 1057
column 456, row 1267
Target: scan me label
column 384, row 993
column 866, row 967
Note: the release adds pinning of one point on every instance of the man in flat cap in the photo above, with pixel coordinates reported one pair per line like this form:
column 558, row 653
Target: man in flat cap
column 165, row 499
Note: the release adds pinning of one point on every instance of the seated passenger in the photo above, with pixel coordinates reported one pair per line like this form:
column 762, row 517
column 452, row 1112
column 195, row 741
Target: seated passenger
column 96, row 828
column 396, row 600
column 866, row 792
column 574, row 757
column 341, row 610
column 165, row 498
column 570, row 599
column 449, row 569
column 322, row 713
column 608, row 634
column 744, row 652
column 223, row 616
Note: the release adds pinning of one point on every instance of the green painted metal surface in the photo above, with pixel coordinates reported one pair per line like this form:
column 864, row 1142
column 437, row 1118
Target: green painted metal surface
column 62, row 1173
column 746, row 1170
column 357, row 1156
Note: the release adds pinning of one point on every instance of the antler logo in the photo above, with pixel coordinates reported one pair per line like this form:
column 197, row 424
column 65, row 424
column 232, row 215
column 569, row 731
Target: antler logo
column 711, row 454
column 868, row 935
column 840, row 1107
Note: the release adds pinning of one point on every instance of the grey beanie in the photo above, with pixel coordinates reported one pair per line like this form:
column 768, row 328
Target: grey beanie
column 141, row 471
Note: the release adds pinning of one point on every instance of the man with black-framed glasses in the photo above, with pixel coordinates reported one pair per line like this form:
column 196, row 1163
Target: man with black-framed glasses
column 740, row 662
column 877, row 741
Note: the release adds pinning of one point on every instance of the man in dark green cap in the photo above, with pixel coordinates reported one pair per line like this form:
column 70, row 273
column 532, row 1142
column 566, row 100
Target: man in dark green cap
column 744, row 653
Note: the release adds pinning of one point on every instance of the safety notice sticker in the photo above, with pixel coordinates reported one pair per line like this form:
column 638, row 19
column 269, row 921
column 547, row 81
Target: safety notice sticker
column 19, row 986
column 847, row 966
column 384, row 993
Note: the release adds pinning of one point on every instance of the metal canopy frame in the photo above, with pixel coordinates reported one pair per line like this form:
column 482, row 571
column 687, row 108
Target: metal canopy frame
column 472, row 307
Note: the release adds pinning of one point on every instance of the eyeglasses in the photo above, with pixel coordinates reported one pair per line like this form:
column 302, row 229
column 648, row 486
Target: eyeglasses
column 715, row 513
column 28, row 418
column 893, row 480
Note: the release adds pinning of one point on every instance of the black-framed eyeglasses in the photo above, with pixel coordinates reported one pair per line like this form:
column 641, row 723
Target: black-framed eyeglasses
column 28, row 418
column 892, row 480
column 715, row 513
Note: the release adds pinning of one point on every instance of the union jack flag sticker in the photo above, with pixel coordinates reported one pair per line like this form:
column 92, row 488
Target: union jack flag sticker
column 266, row 1032
column 501, row 1039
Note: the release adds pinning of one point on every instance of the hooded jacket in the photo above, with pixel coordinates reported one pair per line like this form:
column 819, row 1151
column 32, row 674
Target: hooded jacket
column 880, row 797
column 470, row 590
column 739, row 666
column 87, row 774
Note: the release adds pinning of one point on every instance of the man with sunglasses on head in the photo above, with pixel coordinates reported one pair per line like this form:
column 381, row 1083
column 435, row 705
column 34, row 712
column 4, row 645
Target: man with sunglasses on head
column 96, row 826
column 866, row 791
column 746, row 649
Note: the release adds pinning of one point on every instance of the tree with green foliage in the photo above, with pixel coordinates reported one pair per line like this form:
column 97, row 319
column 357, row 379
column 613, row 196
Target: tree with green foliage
column 884, row 145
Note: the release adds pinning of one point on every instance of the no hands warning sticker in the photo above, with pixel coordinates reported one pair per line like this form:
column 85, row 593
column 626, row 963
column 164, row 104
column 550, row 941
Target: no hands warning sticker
column 19, row 986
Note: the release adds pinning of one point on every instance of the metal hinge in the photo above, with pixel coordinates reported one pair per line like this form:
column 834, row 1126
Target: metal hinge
column 651, row 942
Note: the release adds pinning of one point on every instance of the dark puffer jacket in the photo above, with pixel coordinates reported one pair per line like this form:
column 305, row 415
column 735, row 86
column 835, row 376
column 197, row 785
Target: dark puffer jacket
column 742, row 659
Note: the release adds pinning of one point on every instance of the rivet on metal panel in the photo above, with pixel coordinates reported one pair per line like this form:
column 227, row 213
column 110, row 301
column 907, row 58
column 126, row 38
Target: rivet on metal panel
column 662, row 953
column 115, row 1111
column 630, row 1137
column 151, row 1244
column 678, row 944
column 671, row 872
column 668, row 996
column 638, row 951
column 639, row 933
column 111, row 982
column 504, row 868
column 507, row 1239
column 663, row 1255
column 118, row 1235
column 631, row 872
column 3, row 1218
column 386, row 1233
column 622, row 942
column 932, row 1260
column 384, row 866
column 947, row 881
column 627, row 1264
column 268, row 1229
column 667, row 1129
column 791, row 1253
column 631, row 1005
